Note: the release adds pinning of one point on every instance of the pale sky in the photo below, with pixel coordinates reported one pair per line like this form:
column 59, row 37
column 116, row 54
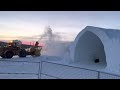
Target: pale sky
column 30, row 23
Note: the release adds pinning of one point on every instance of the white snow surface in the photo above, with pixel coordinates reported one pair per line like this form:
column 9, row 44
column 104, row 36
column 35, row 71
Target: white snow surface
column 64, row 53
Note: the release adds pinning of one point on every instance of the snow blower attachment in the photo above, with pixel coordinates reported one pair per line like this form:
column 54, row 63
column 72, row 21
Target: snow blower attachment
column 35, row 50
column 14, row 48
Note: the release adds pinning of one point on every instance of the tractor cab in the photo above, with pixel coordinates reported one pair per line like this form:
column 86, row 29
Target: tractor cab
column 14, row 43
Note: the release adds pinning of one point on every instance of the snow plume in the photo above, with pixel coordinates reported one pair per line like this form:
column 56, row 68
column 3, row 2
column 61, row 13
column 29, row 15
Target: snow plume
column 54, row 46
column 48, row 34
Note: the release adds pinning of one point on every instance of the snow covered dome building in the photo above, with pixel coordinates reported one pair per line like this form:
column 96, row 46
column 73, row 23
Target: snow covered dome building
column 97, row 47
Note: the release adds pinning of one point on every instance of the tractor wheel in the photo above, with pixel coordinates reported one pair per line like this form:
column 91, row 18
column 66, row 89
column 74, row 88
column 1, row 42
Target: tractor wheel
column 22, row 53
column 8, row 54
column 33, row 53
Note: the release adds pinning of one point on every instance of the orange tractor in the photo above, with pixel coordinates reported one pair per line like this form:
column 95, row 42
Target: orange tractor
column 14, row 48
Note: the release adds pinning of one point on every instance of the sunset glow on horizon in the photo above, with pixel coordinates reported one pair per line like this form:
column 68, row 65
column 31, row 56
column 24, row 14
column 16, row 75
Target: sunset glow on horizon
column 26, row 25
column 32, row 43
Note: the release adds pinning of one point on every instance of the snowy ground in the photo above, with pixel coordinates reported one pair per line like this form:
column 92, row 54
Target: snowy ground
column 27, row 68
column 55, row 59
column 33, row 59
column 16, row 58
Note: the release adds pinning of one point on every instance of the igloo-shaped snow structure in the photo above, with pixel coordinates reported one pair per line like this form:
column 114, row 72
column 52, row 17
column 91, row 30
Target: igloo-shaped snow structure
column 97, row 43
